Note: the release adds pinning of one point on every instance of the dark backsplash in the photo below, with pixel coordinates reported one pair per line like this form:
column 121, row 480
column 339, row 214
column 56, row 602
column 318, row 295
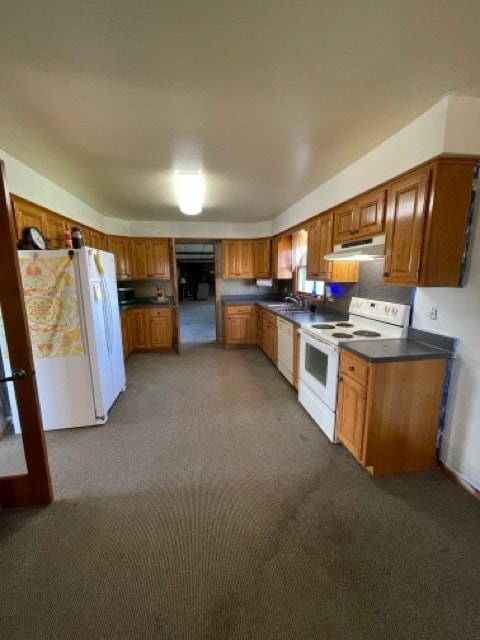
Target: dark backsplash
column 370, row 284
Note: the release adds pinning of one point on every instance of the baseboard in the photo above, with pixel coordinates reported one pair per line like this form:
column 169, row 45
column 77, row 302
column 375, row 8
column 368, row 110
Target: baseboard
column 457, row 478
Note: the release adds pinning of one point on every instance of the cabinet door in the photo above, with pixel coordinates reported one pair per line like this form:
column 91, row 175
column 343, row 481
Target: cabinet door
column 352, row 401
column 313, row 250
column 55, row 227
column 240, row 329
column 160, row 329
column 245, row 259
column 344, row 271
column 125, row 342
column 282, row 258
column 238, row 259
column 120, row 247
column 228, row 252
column 27, row 215
column 370, row 219
column 325, row 240
column 159, row 259
column 97, row 240
column 263, row 251
column 344, row 222
column 270, row 336
column 138, row 333
column 404, row 227
column 140, row 261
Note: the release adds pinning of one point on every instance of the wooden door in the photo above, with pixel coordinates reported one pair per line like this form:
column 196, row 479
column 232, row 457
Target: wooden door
column 33, row 487
column 55, row 227
column 240, row 329
column 140, row 258
column 138, row 328
column 159, row 258
column 160, row 329
column 370, row 220
column 27, row 214
column 345, row 222
column 229, row 254
column 325, row 244
column 352, row 400
column 97, row 240
column 404, row 227
column 120, row 247
column 245, row 259
column 313, row 250
column 263, row 258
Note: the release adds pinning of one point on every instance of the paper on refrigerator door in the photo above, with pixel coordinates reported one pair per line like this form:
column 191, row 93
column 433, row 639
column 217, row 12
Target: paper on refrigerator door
column 51, row 303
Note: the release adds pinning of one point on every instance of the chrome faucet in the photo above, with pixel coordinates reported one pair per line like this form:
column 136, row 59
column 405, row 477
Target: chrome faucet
column 293, row 298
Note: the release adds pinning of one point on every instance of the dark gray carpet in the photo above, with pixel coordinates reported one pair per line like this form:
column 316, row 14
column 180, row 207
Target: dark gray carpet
column 211, row 507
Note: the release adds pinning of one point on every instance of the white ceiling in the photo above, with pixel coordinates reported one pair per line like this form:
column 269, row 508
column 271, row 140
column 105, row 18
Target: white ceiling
column 268, row 98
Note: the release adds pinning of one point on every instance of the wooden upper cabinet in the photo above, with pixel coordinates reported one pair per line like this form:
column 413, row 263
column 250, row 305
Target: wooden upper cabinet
column 263, row 258
column 407, row 207
column 55, row 227
column 426, row 224
column 150, row 258
column 97, row 240
column 238, row 259
column 282, row 258
column 27, row 214
column 159, row 258
column 319, row 243
column 359, row 218
column 120, row 247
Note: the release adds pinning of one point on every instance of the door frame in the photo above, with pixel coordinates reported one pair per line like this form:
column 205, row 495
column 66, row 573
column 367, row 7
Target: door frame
column 218, row 275
column 35, row 486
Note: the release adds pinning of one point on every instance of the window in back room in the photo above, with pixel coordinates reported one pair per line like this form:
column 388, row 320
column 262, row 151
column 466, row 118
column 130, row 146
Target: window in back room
column 299, row 250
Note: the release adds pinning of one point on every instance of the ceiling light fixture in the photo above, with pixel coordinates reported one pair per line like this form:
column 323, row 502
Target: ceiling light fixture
column 189, row 188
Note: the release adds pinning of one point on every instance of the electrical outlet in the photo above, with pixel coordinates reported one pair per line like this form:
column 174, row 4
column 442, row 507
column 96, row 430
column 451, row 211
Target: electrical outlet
column 433, row 313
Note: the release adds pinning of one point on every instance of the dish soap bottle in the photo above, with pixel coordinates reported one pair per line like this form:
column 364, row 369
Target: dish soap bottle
column 314, row 289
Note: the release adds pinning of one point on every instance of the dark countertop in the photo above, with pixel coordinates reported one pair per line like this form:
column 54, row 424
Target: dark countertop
column 395, row 350
column 304, row 319
column 145, row 302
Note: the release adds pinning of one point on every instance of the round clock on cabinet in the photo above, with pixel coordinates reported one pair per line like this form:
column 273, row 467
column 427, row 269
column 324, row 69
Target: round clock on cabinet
column 34, row 238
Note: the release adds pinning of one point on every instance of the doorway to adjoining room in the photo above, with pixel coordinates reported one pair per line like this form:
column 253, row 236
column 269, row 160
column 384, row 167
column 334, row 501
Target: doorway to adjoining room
column 196, row 291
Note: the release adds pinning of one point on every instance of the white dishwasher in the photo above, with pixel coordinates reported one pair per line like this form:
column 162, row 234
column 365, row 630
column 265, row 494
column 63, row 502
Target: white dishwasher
column 285, row 342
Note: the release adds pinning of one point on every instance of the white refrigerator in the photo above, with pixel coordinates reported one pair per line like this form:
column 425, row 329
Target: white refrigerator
column 74, row 322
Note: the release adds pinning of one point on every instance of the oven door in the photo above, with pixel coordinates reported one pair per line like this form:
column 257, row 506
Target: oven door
column 319, row 368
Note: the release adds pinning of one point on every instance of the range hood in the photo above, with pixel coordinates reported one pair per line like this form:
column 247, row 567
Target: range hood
column 364, row 249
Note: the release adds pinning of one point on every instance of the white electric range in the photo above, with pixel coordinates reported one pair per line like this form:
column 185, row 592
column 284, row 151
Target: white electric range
column 320, row 349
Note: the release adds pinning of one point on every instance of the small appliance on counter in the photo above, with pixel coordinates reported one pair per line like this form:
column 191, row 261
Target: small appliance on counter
column 126, row 295
column 161, row 297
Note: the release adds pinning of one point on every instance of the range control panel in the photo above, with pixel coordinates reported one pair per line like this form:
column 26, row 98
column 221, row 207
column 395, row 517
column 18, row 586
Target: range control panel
column 391, row 312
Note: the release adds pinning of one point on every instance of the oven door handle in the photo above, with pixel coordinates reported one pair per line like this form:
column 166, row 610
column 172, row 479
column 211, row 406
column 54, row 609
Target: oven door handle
column 316, row 339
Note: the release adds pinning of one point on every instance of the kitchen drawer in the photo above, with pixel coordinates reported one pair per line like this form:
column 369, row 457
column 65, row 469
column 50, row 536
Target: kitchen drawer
column 162, row 313
column 270, row 317
column 240, row 309
column 354, row 368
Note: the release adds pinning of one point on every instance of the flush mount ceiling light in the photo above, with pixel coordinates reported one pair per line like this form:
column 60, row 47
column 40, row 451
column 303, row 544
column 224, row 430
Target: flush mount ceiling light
column 189, row 188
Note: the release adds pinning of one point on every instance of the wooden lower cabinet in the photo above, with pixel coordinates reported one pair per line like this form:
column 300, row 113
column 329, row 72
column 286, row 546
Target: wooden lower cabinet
column 160, row 328
column 388, row 412
column 146, row 329
column 240, row 325
column 269, row 338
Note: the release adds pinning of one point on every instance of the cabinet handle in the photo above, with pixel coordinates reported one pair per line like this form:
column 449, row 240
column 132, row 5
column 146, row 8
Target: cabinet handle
column 352, row 232
column 385, row 274
column 351, row 368
column 340, row 378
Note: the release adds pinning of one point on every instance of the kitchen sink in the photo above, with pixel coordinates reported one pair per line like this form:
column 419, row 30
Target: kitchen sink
column 282, row 307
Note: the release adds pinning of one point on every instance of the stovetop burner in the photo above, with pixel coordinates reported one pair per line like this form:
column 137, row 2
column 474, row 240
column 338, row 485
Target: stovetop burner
column 367, row 334
column 343, row 324
column 339, row 334
column 323, row 326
